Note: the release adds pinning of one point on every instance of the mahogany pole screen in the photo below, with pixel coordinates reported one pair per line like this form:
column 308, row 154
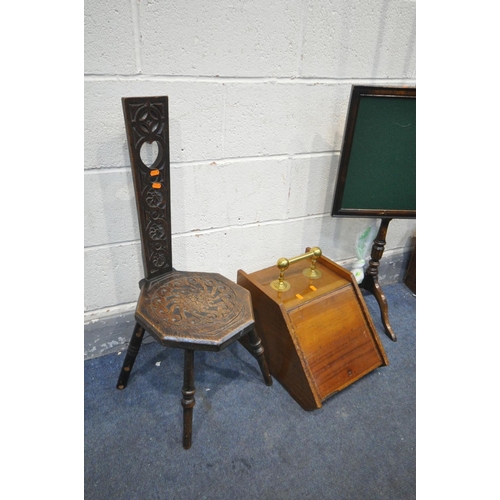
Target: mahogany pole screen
column 377, row 170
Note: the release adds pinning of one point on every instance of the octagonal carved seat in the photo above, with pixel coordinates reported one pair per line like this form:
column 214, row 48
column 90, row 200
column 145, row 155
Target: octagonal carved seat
column 184, row 309
column 181, row 309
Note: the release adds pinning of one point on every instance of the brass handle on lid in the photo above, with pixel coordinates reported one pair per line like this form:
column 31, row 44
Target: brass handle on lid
column 311, row 272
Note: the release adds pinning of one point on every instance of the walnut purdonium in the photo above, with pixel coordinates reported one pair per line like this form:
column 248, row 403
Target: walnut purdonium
column 317, row 333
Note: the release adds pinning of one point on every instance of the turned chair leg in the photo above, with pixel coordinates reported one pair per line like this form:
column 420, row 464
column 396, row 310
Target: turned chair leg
column 133, row 349
column 258, row 351
column 188, row 401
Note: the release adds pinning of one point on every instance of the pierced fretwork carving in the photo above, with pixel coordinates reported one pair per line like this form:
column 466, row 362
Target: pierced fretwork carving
column 146, row 122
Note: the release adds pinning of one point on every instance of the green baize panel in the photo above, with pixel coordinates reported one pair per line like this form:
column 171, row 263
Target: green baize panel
column 382, row 164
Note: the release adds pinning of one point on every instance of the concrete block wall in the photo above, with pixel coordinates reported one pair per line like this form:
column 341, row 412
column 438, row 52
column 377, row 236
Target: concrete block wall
column 258, row 94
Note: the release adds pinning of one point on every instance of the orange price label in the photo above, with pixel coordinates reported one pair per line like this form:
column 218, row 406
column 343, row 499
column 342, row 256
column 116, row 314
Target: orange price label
column 299, row 296
column 154, row 172
column 156, row 185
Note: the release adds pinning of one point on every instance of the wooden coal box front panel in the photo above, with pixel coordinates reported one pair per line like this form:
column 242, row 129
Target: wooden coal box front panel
column 335, row 340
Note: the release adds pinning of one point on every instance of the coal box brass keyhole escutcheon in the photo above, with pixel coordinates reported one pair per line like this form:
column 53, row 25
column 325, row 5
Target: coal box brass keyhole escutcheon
column 310, row 272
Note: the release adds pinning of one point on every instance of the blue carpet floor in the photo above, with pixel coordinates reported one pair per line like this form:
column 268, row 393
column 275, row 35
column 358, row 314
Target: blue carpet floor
column 251, row 441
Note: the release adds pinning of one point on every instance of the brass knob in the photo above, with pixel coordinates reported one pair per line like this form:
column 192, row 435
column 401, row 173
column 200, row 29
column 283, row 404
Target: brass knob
column 311, row 272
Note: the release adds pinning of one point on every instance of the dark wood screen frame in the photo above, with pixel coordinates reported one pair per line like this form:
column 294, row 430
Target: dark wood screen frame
column 356, row 94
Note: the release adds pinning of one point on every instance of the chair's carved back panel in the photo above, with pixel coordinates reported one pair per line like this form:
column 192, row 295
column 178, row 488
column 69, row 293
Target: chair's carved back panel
column 146, row 122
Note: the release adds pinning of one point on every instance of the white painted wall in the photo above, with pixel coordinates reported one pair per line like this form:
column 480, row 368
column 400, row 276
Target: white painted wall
column 258, row 93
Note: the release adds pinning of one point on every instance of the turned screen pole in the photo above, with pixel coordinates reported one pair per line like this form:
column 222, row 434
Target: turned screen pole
column 370, row 281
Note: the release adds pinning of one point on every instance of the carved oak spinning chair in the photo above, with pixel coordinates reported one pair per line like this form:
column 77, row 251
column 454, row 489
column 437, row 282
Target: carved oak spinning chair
column 187, row 310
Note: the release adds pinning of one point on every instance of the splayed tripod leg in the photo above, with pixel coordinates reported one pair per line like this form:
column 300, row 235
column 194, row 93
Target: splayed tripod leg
column 132, row 351
column 258, row 352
